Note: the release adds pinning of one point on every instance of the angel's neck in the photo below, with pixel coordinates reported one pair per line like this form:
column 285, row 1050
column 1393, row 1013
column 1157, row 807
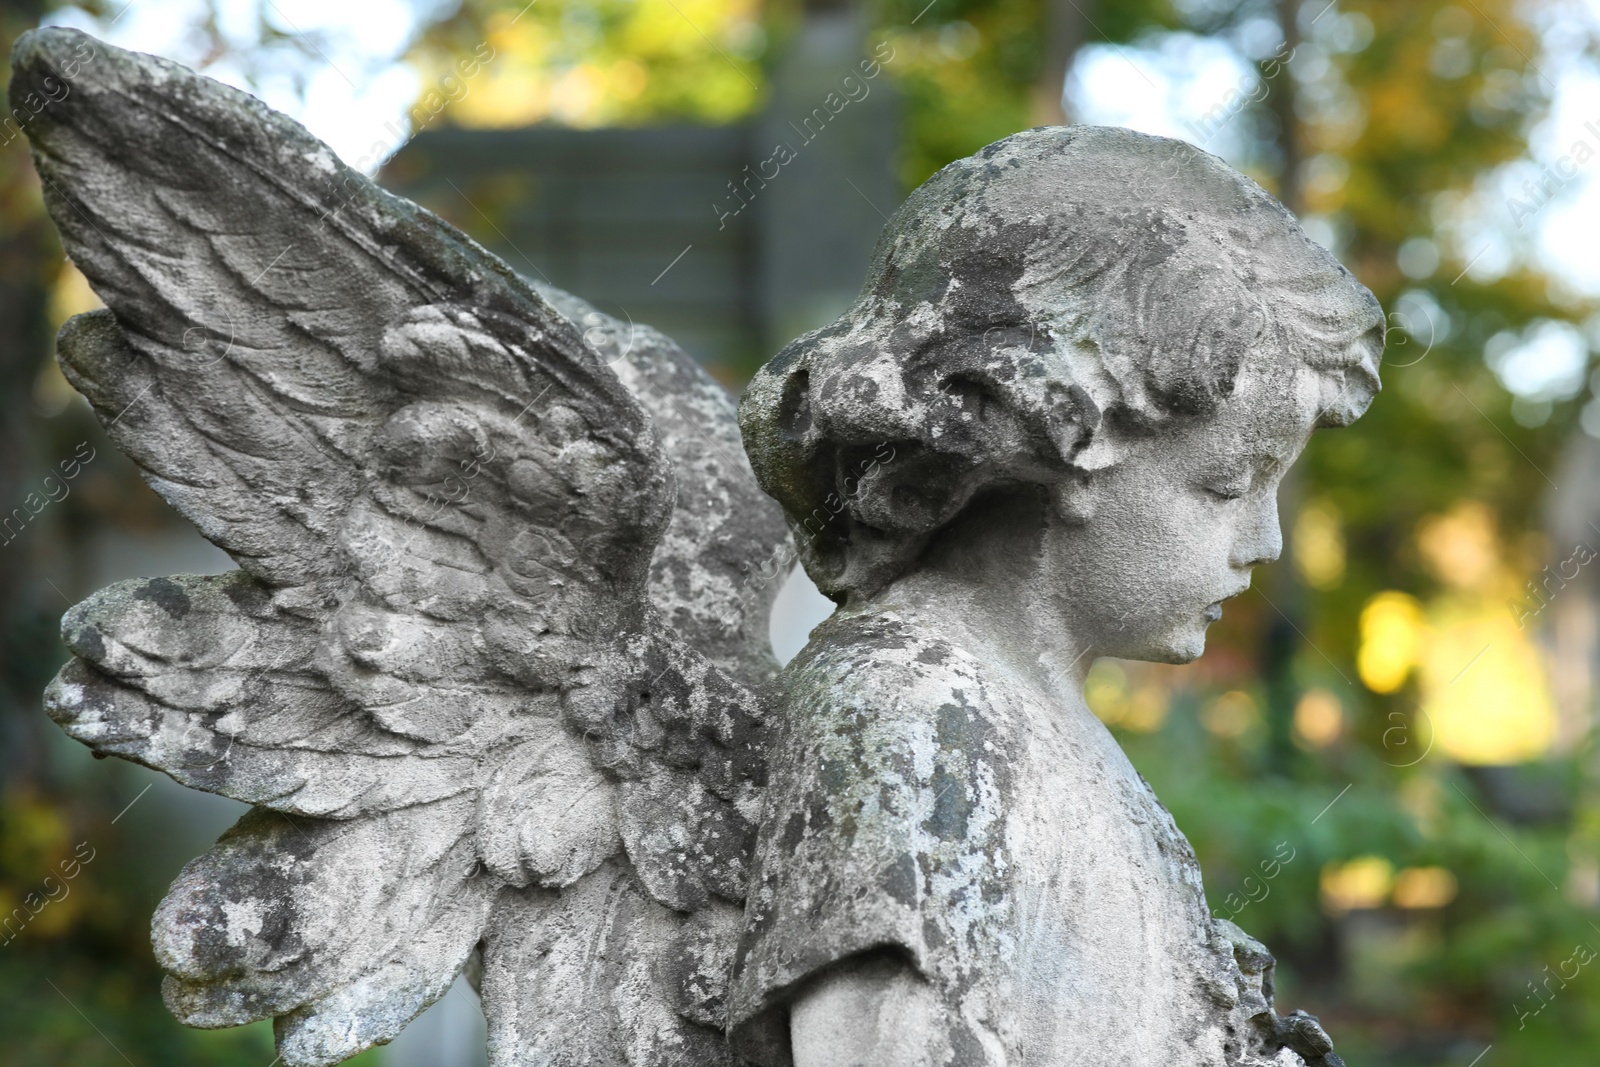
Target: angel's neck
column 986, row 584
column 1010, row 628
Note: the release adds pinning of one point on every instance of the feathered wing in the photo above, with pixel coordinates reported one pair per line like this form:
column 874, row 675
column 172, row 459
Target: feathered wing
column 437, row 673
column 727, row 549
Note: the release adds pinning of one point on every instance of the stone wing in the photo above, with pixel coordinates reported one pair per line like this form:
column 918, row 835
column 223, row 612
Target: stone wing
column 437, row 672
column 727, row 550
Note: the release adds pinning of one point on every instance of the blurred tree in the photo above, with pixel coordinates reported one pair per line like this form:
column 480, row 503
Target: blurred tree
column 29, row 257
column 594, row 62
column 1066, row 26
column 973, row 71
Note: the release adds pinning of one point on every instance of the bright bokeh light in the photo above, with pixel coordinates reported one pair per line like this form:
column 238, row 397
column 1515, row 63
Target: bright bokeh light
column 1391, row 640
column 1460, row 547
column 1546, row 208
column 1548, row 361
column 1318, row 718
column 1424, row 887
column 1231, row 715
column 1485, row 691
column 1363, row 882
column 555, row 64
column 1319, row 550
column 1566, row 148
column 1181, row 85
column 1483, row 686
column 1122, row 702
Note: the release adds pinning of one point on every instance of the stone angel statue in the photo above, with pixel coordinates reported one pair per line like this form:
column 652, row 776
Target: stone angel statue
column 493, row 675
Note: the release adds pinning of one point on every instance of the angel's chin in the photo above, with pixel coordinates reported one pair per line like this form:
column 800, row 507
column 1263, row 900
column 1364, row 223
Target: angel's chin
column 1177, row 647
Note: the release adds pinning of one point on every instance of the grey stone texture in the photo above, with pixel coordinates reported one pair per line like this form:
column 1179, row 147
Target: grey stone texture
column 493, row 669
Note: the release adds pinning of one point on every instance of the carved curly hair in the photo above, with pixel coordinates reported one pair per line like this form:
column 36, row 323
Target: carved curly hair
column 1060, row 282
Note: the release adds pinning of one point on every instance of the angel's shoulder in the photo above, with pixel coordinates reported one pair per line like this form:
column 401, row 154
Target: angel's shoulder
column 882, row 675
column 879, row 656
column 889, row 784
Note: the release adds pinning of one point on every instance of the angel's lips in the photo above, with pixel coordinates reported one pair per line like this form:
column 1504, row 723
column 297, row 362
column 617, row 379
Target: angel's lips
column 1213, row 612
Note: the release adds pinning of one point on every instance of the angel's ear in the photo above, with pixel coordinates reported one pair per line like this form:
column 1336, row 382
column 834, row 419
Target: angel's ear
column 1101, row 452
column 1072, row 498
column 907, row 489
column 1074, row 494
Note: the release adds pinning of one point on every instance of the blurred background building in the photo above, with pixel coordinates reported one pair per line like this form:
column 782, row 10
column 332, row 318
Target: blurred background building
column 1386, row 760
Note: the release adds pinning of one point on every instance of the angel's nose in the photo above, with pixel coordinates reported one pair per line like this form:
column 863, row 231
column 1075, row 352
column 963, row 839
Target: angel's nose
column 1259, row 538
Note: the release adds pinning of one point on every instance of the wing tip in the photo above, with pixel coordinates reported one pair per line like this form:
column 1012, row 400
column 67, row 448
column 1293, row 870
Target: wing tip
column 44, row 65
column 44, row 44
column 91, row 347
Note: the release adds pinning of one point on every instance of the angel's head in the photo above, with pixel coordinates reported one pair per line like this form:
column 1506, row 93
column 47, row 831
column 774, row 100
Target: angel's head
column 1083, row 356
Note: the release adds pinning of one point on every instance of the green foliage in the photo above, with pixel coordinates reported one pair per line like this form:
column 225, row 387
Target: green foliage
column 596, row 62
column 92, row 1009
column 96, row 1015
column 966, row 68
column 1397, row 986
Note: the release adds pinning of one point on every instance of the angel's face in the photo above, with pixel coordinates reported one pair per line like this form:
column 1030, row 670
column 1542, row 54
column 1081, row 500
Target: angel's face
column 1154, row 542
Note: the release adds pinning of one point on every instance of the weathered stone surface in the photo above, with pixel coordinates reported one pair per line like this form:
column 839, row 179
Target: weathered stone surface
column 493, row 668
